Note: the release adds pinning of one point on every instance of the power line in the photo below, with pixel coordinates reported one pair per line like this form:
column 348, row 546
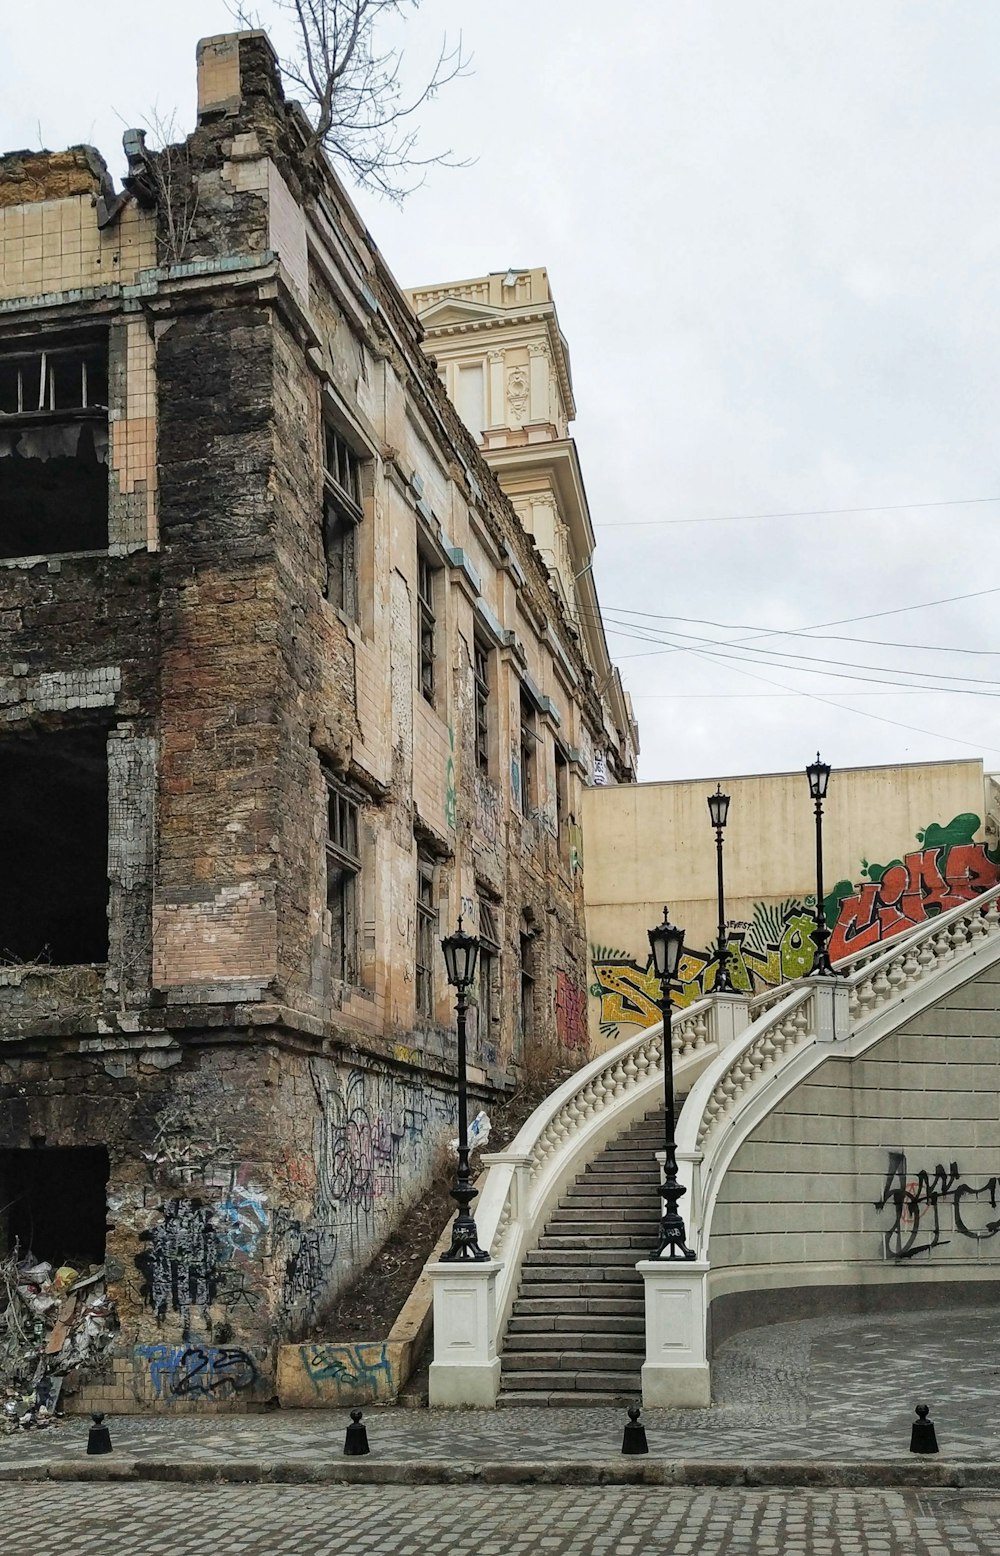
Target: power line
column 623, row 613
column 801, row 513
column 842, row 621
column 914, row 691
column 863, row 712
column 719, row 647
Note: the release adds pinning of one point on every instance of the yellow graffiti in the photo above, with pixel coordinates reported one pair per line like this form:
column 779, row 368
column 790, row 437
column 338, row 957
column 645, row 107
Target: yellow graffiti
column 630, row 993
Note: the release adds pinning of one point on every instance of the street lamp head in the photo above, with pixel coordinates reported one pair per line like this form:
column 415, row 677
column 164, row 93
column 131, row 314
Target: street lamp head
column 818, row 773
column 666, row 942
column 718, row 807
column 460, row 953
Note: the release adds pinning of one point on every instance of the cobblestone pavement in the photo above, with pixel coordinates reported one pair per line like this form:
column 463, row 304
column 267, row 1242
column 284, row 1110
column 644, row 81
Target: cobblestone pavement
column 817, row 1389
column 149, row 1520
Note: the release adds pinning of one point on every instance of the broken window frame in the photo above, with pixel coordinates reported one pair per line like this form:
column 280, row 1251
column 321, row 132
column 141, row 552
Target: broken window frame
column 343, row 879
column 60, row 381
column 48, row 402
column 427, row 575
column 481, row 675
column 526, row 993
column 342, row 516
column 528, row 743
column 562, row 801
column 489, row 968
column 426, row 924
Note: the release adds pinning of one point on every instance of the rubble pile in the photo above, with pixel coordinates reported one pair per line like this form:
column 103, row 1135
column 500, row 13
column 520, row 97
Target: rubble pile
column 56, row 1325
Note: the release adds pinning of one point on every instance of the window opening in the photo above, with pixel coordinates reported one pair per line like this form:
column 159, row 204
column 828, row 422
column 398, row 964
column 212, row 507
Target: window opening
column 54, row 847
column 343, row 871
column 342, row 513
column 482, row 680
column 489, row 970
column 426, row 625
column 562, row 801
column 53, row 1204
column 426, row 930
column 526, row 1004
column 528, row 742
column 54, row 449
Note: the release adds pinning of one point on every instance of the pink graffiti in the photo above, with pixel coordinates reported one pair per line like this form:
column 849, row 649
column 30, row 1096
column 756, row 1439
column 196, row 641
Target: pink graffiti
column 571, row 1012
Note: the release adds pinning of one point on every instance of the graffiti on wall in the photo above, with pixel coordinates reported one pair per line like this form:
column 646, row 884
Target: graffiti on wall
column 571, row 1012
column 918, row 1200
column 197, row 1371
column 180, row 1262
column 779, row 942
column 362, row 1365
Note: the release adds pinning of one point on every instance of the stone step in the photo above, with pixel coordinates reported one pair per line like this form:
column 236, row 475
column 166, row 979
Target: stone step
column 592, row 1382
column 639, row 1205
column 587, row 1274
column 566, row 1361
column 592, row 1240
column 562, row 1305
column 595, row 1290
column 579, row 1325
column 583, row 1259
column 571, row 1337
column 572, row 1216
column 556, row 1397
column 556, row 1343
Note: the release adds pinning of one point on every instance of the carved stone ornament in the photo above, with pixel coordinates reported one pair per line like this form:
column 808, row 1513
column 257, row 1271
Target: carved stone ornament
column 517, row 392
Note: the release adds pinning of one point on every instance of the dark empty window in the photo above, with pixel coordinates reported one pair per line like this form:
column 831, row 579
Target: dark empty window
column 53, row 1204
column 426, row 625
column 529, row 741
column 426, row 927
column 342, row 514
column 482, row 679
column 54, row 847
column 562, row 803
column 53, row 449
column 343, row 869
column 489, row 970
column 526, row 1005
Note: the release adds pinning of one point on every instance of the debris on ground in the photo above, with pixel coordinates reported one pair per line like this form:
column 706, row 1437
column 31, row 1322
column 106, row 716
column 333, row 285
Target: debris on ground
column 56, row 1326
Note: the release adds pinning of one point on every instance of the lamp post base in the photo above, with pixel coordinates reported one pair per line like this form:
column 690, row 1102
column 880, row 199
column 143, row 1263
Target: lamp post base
column 466, row 1367
column 676, row 1369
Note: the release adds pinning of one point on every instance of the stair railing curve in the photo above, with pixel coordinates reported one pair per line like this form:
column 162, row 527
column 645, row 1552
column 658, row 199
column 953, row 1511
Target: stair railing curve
column 725, row 1102
column 568, row 1128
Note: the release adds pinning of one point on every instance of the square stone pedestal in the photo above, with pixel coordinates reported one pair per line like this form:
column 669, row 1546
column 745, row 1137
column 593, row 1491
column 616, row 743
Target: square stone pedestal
column 466, row 1367
column 676, row 1370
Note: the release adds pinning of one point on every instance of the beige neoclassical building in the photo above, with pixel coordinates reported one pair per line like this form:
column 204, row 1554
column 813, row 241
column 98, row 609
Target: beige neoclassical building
column 504, row 360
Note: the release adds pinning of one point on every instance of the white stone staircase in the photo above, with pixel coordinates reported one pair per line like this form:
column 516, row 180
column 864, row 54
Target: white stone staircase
column 737, row 1060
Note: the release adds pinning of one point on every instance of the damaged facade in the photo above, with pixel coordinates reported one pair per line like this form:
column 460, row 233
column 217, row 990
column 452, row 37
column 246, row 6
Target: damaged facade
column 284, row 689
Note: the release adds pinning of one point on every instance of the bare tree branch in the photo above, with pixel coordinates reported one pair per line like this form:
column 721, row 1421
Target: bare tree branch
column 352, row 90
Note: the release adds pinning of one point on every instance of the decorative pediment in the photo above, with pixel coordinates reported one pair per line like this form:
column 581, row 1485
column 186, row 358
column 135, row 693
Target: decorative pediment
column 455, row 310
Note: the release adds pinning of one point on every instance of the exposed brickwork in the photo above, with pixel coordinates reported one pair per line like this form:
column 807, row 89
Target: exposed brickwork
column 268, row 1100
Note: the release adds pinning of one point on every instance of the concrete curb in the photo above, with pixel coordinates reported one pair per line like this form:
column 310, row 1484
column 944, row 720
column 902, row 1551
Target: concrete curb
column 651, row 1471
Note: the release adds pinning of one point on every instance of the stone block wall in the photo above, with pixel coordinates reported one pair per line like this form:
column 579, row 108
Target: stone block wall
column 877, row 1172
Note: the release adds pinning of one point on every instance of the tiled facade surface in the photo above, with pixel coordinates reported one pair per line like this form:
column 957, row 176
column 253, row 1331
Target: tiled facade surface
column 878, row 1171
column 266, row 1120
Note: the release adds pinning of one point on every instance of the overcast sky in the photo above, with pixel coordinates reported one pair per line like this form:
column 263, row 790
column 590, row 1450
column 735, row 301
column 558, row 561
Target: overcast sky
column 773, row 232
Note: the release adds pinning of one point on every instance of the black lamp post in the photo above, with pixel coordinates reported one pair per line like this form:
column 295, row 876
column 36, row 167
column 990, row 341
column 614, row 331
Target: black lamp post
column 460, row 953
column 666, row 942
column 818, row 773
column 718, row 810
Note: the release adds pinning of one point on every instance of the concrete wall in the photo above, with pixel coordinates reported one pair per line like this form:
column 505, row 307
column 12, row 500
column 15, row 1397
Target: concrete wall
column 881, row 1173
column 647, row 844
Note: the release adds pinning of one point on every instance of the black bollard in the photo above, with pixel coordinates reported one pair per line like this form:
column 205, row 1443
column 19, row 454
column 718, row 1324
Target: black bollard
column 356, row 1440
column 98, row 1438
column 634, row 1435
column 923, row 1438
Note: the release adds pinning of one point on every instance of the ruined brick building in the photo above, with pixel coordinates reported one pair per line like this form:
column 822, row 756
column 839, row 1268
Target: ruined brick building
column 284, row 688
